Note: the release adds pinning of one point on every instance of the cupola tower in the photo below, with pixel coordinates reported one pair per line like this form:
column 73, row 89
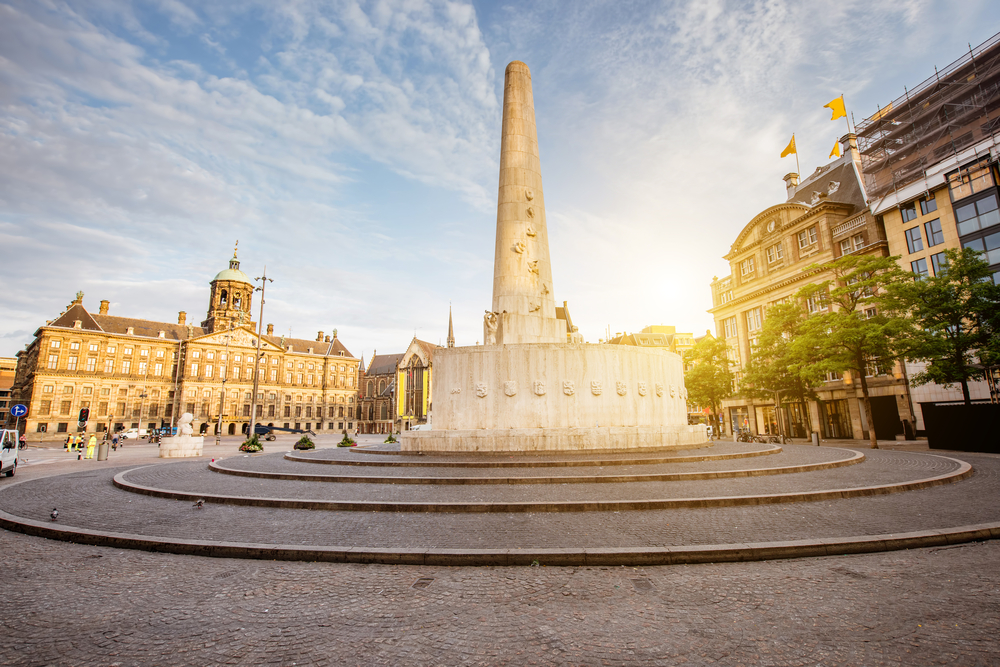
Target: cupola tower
column 229, row 300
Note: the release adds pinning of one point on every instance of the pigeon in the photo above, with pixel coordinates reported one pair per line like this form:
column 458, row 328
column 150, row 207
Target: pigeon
column 199, row 503
column 55, row 514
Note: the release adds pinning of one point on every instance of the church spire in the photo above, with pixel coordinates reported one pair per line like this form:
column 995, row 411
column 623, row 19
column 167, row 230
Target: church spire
column 451, row 329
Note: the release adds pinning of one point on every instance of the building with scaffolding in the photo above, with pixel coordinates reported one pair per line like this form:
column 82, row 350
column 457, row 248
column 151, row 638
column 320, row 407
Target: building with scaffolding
column 929, row 160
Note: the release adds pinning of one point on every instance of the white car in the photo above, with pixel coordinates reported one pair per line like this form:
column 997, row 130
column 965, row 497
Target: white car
column 8, row 452
column 131, row 434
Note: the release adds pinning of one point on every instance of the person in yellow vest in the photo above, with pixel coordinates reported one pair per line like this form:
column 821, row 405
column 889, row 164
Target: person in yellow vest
column 78, row 443
column 90, row 446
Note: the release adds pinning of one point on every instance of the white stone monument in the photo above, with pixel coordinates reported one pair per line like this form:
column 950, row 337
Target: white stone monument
column 185, row 443
column 528, row 388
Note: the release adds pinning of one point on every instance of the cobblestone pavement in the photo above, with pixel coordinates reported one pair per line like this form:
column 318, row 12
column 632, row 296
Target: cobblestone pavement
column 88, row 500
column 68, row 604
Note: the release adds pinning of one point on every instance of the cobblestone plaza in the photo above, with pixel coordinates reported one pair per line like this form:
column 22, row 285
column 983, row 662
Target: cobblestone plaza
column 78, row 604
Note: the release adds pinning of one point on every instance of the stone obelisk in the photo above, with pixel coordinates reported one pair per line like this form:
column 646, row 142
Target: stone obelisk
column 523, row 302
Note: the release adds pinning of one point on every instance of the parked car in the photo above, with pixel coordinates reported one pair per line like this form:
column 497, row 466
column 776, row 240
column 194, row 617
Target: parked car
column 8, row 452
column 130, row 434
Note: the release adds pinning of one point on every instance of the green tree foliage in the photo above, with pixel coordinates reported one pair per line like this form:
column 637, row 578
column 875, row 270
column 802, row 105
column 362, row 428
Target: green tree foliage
column 851, row 329
column 957, row 318
column 709, row 378
column 780, row 366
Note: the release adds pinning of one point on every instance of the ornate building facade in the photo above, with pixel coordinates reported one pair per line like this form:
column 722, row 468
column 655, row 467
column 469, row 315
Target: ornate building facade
column 132, row 373
column 825, row 217
column 376, row 411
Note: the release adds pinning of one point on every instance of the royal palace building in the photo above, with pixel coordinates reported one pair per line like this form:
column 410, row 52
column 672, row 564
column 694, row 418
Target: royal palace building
column 825, row 217
column 133, row 373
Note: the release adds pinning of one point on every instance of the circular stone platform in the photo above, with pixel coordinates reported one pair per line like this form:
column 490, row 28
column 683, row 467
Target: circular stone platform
column 732, row 501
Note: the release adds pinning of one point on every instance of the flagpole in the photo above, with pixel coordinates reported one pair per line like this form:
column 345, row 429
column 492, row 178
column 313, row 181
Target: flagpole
column 798, row 169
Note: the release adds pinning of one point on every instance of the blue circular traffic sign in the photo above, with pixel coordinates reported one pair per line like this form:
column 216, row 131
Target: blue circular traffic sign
column 18, row 411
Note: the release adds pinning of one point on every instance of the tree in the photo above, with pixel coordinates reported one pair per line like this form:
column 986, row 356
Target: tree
column 709, row 379
column 848, row 330
column 956, row 314
column 778, row 364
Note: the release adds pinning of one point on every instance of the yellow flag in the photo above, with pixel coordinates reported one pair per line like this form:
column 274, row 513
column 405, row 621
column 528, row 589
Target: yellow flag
column 790, row 148
column 836, row 150
column 882, row 113
column 836, row 105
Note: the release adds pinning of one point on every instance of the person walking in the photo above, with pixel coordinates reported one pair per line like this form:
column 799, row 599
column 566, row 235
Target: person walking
column 78, row 443
column 69, row 443
column 114, row 442
column 91, row 444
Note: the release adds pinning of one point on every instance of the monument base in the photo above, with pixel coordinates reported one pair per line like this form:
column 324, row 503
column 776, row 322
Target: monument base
column 181, row 446
column 554, row 439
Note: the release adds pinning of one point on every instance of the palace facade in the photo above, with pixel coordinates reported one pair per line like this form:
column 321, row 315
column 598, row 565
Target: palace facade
column 133, row 373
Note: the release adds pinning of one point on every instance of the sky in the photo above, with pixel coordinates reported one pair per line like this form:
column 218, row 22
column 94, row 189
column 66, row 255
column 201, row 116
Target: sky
column 352, row 148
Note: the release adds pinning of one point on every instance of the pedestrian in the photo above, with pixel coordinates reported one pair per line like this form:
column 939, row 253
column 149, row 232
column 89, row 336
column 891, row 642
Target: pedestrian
column 22, row 442
column 90, row 446
column 78, row 443
column 114, row 442
column 69, row 442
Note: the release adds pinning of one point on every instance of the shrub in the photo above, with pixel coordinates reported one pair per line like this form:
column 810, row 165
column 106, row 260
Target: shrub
column 252, row 444
column 346, row 441
column 391, row 439
column 305, row 443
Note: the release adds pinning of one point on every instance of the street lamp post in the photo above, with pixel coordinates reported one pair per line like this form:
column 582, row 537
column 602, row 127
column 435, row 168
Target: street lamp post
column 256, row 365
column 222, row 395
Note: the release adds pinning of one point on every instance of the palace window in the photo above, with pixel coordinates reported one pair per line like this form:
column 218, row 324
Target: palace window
column 158, row 369
column 753, row 319
column 91, row 364
column 194, row 355
column 44, row 407
column 928, row 205
column 746, row 266
column 68, row 389
column 774, row 253
column 236, row 372
column 913, row 241
column 111, row 349
column 194, row 370
column 71, row 363
column 53, row 360
column 919, row 268
column 859, row 241
column 94, row 347
column 845, row 247
column 807, row 237
column 55, row 344
column 74, row 346
column 729, row 326
column 208, row 370
column 127, row 350
column 143, row 352
column 816, row 303
column 939, row 263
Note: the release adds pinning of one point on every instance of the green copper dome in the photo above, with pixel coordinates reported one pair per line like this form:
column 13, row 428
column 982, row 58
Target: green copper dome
column 233, row 272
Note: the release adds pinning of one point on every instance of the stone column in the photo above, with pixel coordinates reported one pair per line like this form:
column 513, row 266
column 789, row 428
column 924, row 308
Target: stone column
column 522, row 273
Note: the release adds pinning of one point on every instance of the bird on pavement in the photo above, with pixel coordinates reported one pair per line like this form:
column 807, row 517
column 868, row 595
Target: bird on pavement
column 199, row 503
column 55, row 514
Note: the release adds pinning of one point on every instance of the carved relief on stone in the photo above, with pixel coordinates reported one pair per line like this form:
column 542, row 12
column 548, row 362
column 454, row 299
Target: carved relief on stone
column 510, row 387
column 545, row 289
column 642, row 389
column 519, row 247
column 531, row 231
column 533, row 266
column 684, row 393
column 456, row 390
column 659, row 389
column 539, row 387
column 491, row 321
column 528, row 194
column 569, row 387
column 532, row 307
column 530, row 212
column 621, row 388
column 673, row 391
column 482, row 389
column 596, row 387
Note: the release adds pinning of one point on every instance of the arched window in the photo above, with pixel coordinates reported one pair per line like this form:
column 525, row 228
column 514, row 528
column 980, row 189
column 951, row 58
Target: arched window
column 236, row 301
column 223, row 298
column 384, row 412
column 371, row 388
column 381, row 386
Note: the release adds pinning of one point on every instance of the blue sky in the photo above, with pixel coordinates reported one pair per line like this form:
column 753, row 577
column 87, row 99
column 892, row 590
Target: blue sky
column 353, row 148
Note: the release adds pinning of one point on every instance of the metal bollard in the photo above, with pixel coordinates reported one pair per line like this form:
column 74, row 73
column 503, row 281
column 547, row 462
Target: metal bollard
column 815, row 438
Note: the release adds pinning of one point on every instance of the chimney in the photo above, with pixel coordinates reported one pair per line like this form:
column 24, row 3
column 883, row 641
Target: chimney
column 319, row 337
column 270, row 329
column 104, row 307
column 849, row 144
column 791, row 183
column 326, row 340
column 182, row 317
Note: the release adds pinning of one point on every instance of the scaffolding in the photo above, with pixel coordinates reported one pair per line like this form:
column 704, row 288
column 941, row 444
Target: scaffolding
column 956, row 108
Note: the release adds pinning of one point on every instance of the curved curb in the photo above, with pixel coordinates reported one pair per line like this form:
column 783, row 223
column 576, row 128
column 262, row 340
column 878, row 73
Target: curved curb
column 858, row 457
column 964, row 471
column 540, row 452
column 712, row 553
column 772, row 449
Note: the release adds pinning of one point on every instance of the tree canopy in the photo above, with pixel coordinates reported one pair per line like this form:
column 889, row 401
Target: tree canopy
column 709, row 378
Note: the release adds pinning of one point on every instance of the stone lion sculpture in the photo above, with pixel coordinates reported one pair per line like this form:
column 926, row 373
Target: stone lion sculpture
column 184, row 424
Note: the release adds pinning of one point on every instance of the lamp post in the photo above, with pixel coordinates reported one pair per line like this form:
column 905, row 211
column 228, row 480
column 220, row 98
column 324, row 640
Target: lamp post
column 256, row 362
column 222, row 394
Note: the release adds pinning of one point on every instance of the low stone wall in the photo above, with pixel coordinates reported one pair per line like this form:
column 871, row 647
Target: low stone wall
column 552, row 439
column 181, row 446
